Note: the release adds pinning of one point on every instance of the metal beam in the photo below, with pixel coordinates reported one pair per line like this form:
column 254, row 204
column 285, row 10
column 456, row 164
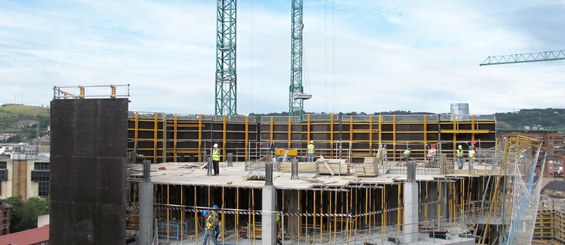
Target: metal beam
column 226, row 76
column 524, row 58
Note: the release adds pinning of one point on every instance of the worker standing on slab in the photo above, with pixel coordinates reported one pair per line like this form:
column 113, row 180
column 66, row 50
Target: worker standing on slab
column 459, row 155
column 216, row 159
column 311, row 150
column 211, row 221
column 432, row 152
column 471, row 156
column 383, row 157
column 406, row 154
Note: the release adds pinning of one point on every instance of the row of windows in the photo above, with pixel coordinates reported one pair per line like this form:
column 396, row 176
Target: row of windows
column 41, row 166
column 39, row 175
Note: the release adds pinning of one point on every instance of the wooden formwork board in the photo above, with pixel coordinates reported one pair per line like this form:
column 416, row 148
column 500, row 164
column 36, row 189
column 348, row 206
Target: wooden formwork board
column 332, row 166
column 303, row 167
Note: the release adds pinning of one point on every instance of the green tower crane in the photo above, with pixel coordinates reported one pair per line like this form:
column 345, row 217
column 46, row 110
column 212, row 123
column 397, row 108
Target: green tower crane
column 524, row 58
column 296, row 90
column 226, row 76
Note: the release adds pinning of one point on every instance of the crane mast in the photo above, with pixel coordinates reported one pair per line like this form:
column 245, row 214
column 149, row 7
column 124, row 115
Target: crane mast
column 296, row 90
column 226, row 76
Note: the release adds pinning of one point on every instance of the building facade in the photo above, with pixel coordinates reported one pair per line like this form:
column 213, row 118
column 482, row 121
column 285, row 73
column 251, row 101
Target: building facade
column 24, row 176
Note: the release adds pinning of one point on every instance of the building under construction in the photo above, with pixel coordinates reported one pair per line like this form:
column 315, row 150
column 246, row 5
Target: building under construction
column 355, row 191
column 363, row 187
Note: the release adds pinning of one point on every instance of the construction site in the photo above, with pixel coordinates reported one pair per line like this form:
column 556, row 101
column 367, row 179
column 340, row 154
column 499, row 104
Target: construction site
column 374, row 179
column 355, row 192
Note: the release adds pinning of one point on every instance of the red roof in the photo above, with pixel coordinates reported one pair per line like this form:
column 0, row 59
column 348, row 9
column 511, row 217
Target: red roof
column 30, row 236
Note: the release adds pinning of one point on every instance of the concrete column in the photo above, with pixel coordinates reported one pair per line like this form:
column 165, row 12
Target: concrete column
column 268, row 225
column 444, row 211
column 210, row 166
column 230, row 159
column 411, row 206
column 291, row 204
column 145, row 208
column 294, row 169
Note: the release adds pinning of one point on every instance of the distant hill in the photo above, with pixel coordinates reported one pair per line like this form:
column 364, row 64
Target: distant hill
column 24, row 121
column 533, row 117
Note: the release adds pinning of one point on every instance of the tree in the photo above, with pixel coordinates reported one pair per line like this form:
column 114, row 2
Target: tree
column 23, row 215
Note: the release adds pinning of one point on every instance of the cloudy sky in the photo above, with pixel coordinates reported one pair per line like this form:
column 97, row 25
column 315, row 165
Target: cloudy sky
column 360, row 55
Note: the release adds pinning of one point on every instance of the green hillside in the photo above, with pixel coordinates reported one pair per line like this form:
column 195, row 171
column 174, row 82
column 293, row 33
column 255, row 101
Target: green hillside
column 533, row 117
column 24, row 120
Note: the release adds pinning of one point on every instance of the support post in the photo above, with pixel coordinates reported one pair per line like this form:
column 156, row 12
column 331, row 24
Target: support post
column 209, row 167
column 268, row 229
column 294, row 169
column 146, row 206
column 410, row 205
column 230, row 160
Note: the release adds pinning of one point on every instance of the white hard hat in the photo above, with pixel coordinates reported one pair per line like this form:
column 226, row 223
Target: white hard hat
column 311, row 141
column 215, row 145
column 460, row 147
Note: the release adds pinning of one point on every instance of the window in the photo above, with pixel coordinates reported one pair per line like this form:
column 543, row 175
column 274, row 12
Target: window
column 41, row 166
column 43, row 189
column 3, row 174
column 40, row 174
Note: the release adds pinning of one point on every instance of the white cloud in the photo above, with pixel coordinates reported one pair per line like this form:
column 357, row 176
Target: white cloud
column 360, row 55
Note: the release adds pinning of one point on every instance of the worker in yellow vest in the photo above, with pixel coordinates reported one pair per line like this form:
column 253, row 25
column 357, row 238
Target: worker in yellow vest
column 216, row 159
column 211, row 221
column 459, row 156
column 406, row 154
column 471, row 157
column 311, row 149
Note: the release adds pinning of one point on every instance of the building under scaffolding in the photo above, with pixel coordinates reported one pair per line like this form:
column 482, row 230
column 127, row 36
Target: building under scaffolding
column 353, row 193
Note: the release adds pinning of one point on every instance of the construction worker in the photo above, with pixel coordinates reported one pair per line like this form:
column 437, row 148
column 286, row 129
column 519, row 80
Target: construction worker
column 211, row 221
column 217, row 229
column 279, row 232
column 432, row 152
column 216, row 159
column 406, row 154
column 471, row 156
column 383, row 156
column 459, row 155
column 311, row 149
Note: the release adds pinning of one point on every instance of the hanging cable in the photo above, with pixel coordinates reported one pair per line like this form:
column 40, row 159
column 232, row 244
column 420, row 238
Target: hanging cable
column 333, row 53
column 326, row 55
column 251, row 88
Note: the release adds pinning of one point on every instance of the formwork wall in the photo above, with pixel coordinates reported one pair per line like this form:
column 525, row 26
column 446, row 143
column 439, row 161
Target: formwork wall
column 170, row 138
column 88, row 171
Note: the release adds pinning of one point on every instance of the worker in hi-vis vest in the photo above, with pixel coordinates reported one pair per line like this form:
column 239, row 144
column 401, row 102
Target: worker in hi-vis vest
column 311, row 149
column 406, row 154
column 459, row 155
column 216, row 159
column 471, row 157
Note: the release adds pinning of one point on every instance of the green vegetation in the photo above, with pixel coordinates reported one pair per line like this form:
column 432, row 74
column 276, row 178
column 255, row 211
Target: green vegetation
column 533, row 117
column 23, row 120
column 23, row 215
